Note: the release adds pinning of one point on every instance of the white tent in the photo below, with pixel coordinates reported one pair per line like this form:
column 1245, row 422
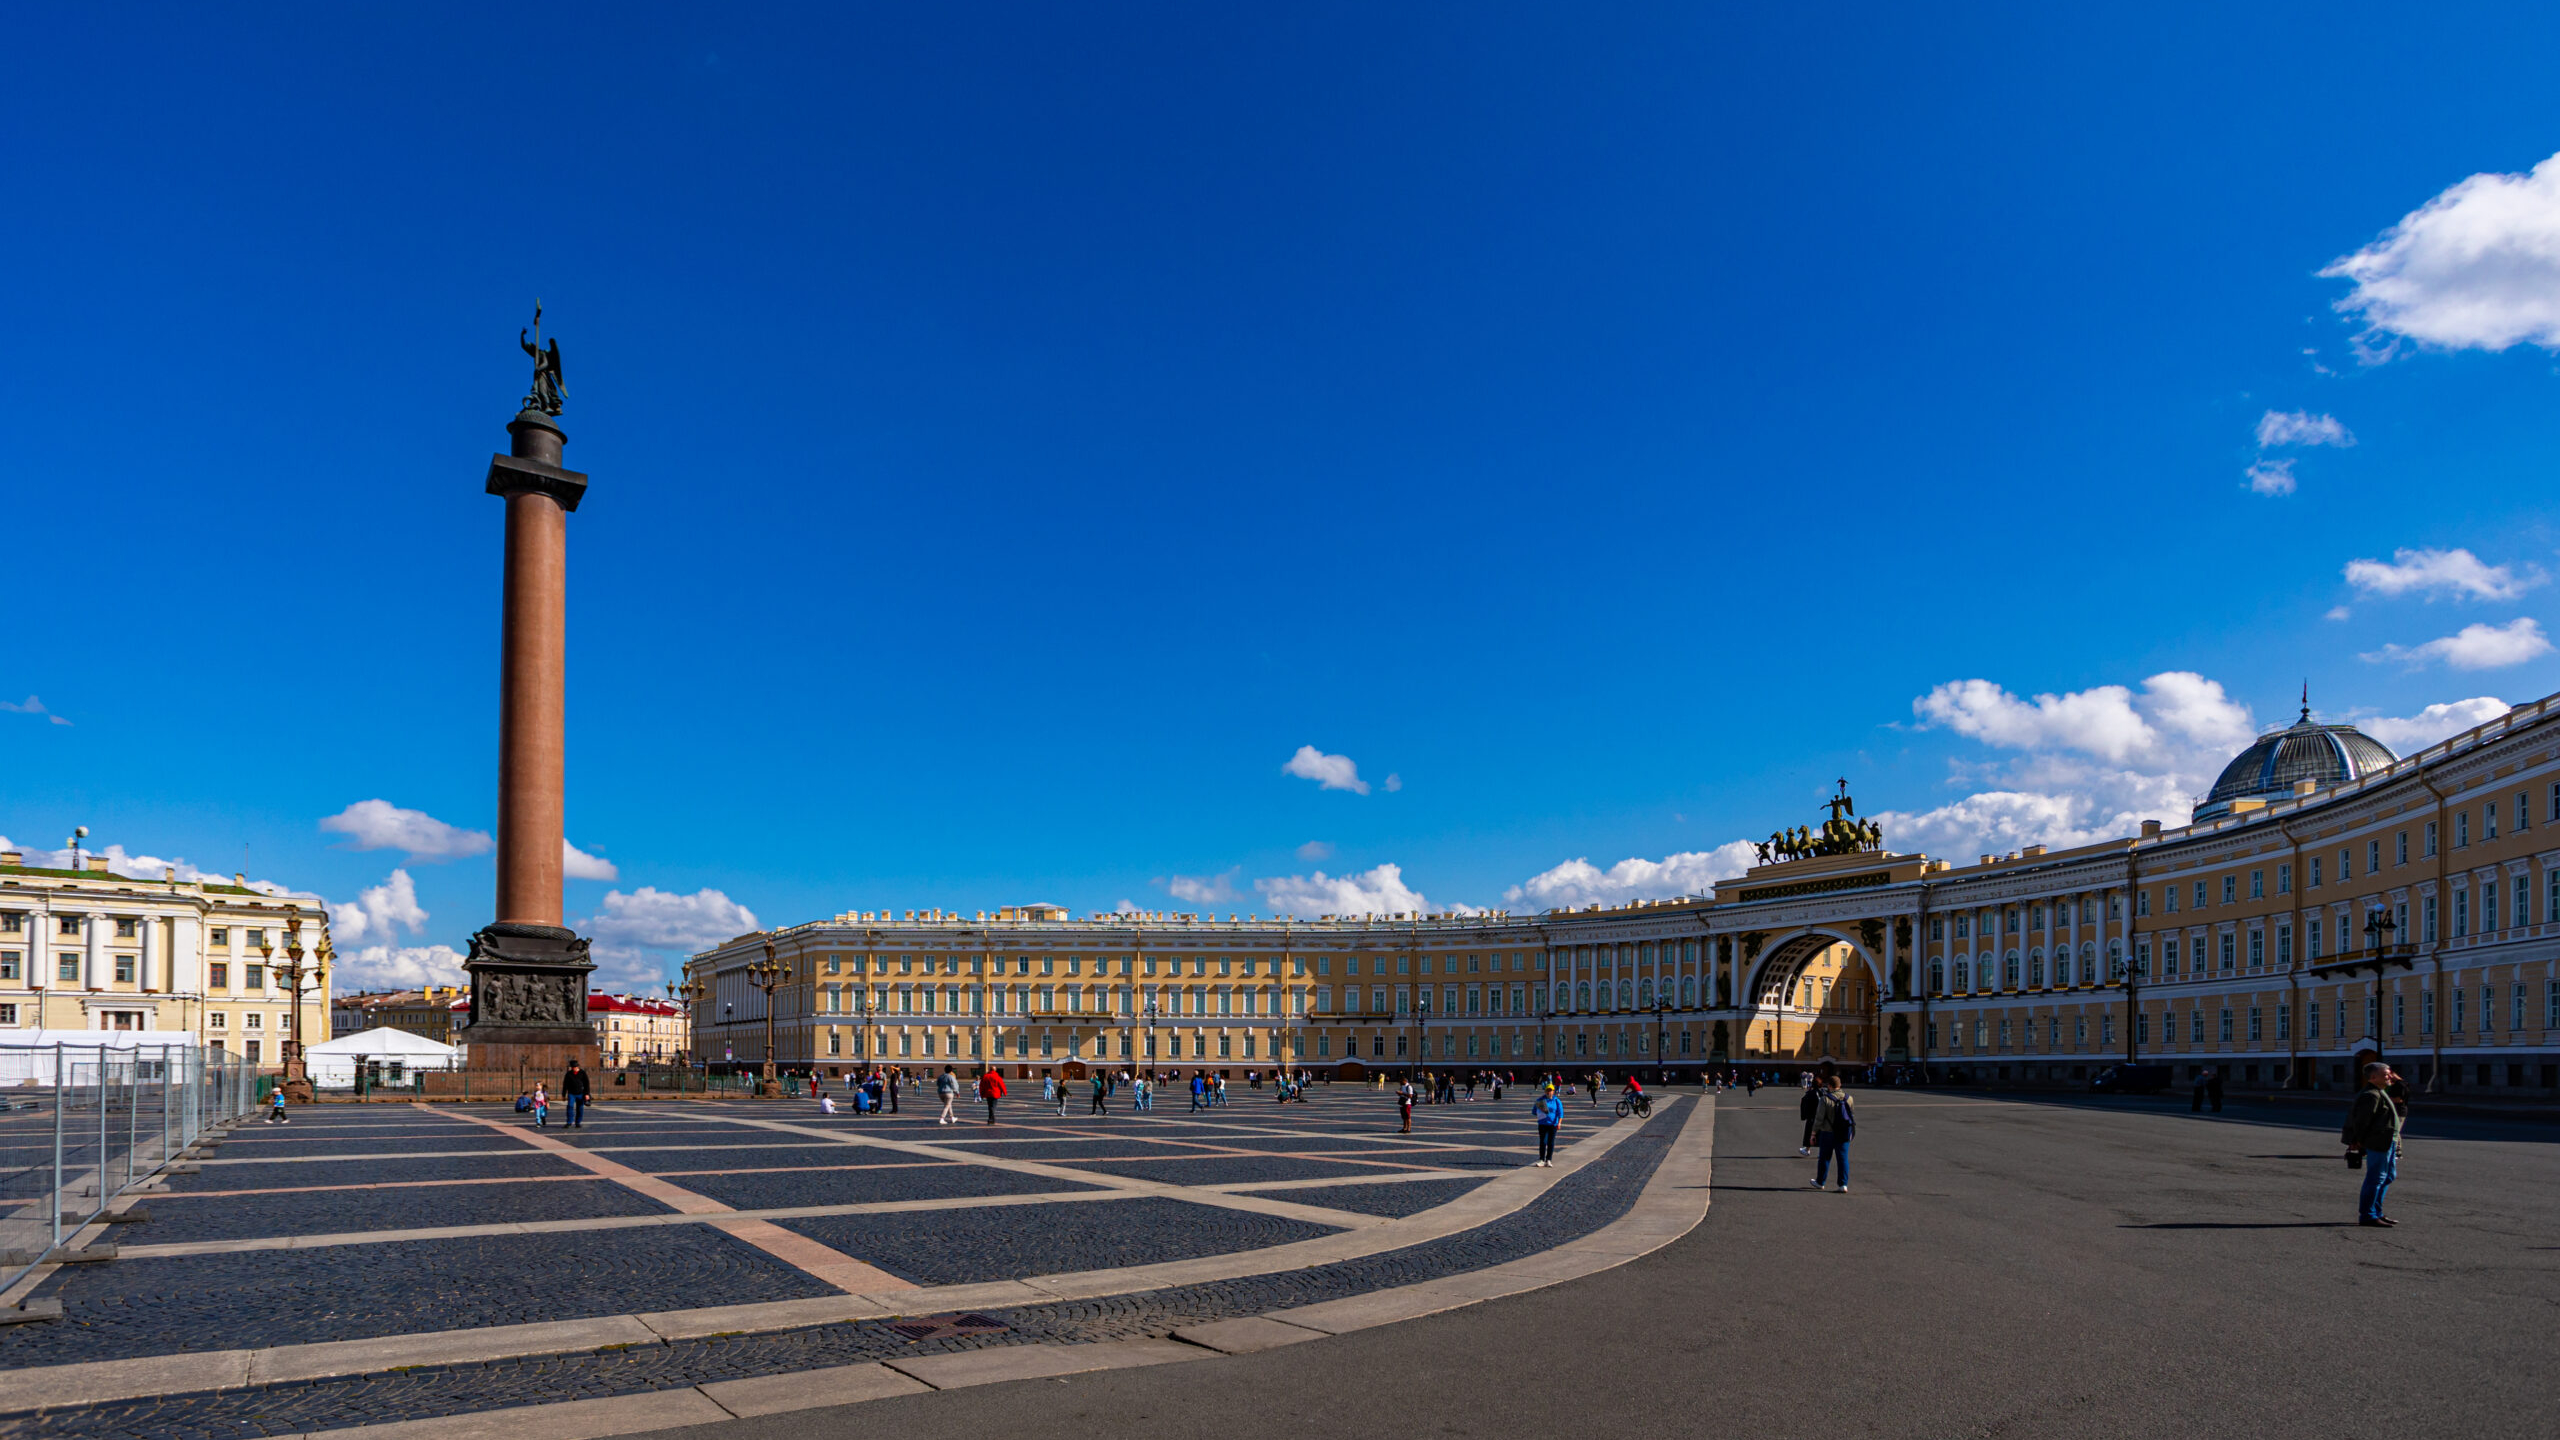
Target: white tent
column 397, row 1053
column 27, row 1056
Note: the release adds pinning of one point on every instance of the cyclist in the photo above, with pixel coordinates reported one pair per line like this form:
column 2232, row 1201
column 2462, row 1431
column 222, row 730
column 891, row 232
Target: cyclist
column 1633, row 1094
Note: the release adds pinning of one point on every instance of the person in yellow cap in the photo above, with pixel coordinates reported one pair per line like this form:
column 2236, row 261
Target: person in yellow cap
column 1550, row 1113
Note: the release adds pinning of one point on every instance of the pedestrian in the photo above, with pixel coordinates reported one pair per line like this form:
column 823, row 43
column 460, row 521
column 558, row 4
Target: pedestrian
column 1062, row 1097
column 1835, row 1123
column 574, row 1090
column 275, row 1107
column 2372, row 1136
column 2195, row 1096
column 1199, row 1092
column 1048, row 1089
column 1592, row 1083
column 948, row 1087
column 893, row 1090
column 1805, row 1108
column 1550, row 1113
column 541, row 1107
column 1101, row 1095
column 991, row 1090
column 1404, row 1104
column 2213, row 1087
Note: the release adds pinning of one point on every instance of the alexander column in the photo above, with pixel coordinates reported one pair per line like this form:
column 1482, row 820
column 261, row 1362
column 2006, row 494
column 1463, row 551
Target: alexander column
column 529, row 971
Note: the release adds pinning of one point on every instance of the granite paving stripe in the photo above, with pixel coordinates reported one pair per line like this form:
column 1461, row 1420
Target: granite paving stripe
column 701, row 1157
column 966, row 1246
column 240, row 1155
column 877, row 1280
column 572, row 1177
column 842, row 1271
column 1604, row 1182
column 305, row 1296
column 314, row 1147
column 1408, row 1198
column 405, row 1208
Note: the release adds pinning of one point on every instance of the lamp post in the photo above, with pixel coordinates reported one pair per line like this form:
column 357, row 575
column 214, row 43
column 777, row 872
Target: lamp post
column 689, row 992
column 1661, row 1021
column 1421, row 1027
column 2127, row 976
column 1148, row 1013
column 767, row 975
column 296, row 1079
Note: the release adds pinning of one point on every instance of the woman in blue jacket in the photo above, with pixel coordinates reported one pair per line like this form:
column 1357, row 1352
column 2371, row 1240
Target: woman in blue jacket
column 1550, row 1113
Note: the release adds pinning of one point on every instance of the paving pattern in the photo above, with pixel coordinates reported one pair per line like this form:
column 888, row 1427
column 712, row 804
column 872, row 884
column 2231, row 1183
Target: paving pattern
column 957, row 1215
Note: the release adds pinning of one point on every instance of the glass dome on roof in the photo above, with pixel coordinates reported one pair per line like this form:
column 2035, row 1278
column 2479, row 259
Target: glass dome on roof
column 2307, row 750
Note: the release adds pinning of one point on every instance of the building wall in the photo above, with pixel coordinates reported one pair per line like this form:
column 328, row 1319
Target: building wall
column 2032, row 966
column 89, row 950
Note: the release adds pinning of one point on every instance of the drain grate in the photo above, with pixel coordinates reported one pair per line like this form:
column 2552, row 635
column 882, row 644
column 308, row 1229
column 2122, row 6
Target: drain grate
column 946, row 1327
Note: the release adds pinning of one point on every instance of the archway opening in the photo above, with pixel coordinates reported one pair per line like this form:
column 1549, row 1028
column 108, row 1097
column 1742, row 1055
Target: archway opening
column 1816, row 997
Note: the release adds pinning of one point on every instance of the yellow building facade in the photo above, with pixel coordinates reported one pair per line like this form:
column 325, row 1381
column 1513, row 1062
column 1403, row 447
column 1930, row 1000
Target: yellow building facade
column 87, row 949
column 2330, row 897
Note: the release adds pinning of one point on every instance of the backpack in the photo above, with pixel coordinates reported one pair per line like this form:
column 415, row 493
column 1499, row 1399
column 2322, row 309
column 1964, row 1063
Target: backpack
column 1829, row 1115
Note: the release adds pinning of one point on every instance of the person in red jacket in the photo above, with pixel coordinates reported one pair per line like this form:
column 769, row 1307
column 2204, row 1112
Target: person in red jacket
column 991, row 1090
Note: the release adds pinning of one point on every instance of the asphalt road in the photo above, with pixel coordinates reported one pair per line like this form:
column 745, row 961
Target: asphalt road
column 2000, row 1267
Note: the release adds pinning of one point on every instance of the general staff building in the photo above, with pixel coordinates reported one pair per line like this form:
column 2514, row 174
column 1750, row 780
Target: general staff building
column 2327, row 896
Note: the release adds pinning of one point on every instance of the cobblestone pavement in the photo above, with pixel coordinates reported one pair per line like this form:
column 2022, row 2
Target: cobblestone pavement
column 1578, row 1204
column 1410, row 1197
column 219, row 1216
column 293, row 1297
column 868, row 1184
column 957, row 1247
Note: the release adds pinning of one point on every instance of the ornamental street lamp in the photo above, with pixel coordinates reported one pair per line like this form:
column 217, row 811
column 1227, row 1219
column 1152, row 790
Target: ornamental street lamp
column 689, row 993
column 767, row 975
column 1661, row 1057
column 296, row 1079
column 1149, row 1013
column 1421, row 1027
column 2122, row 969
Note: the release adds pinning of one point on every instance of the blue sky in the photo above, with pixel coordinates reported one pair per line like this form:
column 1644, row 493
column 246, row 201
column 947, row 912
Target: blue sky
column 1017, row 432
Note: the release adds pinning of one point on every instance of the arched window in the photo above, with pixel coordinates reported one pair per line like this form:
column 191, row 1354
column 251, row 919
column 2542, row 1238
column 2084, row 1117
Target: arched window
column 1644, row 992
column 2035, row 968
column 1937, row 977
column 2009, row 971
column 1584, row 990
column 1688, row 991
column 1626, row 994
column 1964, row 975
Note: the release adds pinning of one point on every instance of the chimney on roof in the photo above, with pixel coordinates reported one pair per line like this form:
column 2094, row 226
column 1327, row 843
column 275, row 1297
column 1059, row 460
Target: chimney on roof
column 2150, row 829
column 96, row 864
column 13, row 857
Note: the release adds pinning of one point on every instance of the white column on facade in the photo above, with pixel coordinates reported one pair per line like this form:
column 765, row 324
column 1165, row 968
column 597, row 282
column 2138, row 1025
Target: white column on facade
column 186, row 949
column 92, row 962
column 146, row 950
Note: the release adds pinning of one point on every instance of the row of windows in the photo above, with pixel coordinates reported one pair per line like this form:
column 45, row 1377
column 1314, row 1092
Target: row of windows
column 2227, row 1025
column 1249, row 966
column 1242, row 1044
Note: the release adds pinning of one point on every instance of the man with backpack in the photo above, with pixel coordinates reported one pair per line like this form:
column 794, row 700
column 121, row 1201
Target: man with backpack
column 1835, row 1122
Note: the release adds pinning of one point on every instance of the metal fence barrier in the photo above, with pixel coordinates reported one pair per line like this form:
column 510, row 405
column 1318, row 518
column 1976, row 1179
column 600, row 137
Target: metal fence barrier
column 80, row 1124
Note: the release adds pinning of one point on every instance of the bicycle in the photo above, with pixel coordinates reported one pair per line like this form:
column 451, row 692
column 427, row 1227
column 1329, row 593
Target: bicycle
column 1641, row 1106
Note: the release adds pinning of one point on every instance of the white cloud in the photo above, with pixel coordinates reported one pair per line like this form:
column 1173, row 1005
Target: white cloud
column 1330, row 772
column 2475, row 647
column 397, row 967
column 2409, row 734
column 381, row 825
column 2301, row 427
column 577, row 864
column 2271, row 477
column 2337, row 612
column 2430, row 573
column 1205, row 889
column 2088, row 764
column 2478, row 267
column 379, row 911
column 1579, row 882
column 1315, row 850
column 145, row 867
column 639, row 938
column 2178, row 710
column 1379, row 890
column 33, row 706
column 1395, row 783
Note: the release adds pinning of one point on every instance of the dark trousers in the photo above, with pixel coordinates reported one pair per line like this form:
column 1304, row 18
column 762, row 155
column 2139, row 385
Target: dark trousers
column 1097, row 1105
column 991, row 1111
column 1830, row 1143
column 1546, row 1142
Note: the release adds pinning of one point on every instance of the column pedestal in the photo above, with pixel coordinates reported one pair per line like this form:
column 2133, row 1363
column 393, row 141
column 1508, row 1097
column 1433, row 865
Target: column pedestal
column 528, row 1000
